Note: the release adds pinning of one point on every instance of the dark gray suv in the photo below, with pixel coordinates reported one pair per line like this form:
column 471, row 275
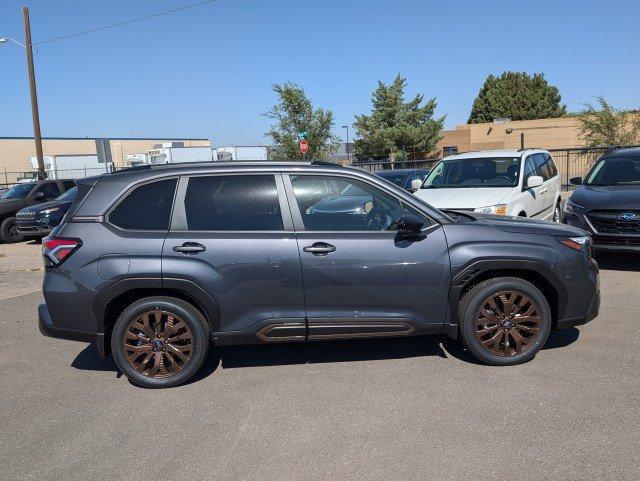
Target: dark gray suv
column 154, row 264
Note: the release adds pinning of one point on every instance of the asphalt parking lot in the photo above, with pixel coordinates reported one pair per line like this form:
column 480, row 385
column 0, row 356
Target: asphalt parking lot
column 417, row 408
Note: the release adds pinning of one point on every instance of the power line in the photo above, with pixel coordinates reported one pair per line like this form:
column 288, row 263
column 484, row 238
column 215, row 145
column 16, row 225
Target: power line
column 126, row 22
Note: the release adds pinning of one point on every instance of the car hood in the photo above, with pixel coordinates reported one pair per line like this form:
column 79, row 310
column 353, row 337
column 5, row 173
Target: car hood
column 47, row 205
column 9, row 205
column 622, row 197
column 463, row 198
column 524, row 225
column 339, row 204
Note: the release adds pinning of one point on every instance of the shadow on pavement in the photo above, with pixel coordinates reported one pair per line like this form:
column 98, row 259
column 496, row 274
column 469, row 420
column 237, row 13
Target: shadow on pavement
column 320, row 352
column 557, row 338
column 618, row 261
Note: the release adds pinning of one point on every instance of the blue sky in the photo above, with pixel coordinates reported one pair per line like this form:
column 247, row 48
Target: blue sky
column 206, row 72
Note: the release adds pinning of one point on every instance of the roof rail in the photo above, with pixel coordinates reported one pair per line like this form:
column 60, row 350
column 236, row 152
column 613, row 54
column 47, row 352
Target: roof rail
column 325, row 162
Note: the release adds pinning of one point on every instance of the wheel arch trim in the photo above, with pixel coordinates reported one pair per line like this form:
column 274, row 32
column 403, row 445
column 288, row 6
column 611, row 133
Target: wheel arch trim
column 474, row 269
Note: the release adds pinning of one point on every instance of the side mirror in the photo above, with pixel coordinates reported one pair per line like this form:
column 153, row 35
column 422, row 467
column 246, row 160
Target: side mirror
column 534, row 181
column 416, row 184
column 38, row 196
column 575, row 180
column 410, row 226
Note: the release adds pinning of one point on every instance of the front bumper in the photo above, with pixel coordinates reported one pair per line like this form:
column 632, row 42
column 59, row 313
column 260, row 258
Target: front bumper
column 48, row 329
column 591, row 314
column 33, row 227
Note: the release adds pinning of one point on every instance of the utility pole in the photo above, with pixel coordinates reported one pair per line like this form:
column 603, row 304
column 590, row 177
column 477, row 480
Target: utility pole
column 34, row 96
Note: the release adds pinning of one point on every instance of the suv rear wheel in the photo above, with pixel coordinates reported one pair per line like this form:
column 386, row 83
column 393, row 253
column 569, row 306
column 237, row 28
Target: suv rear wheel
column 504, row 321
column 160, row 341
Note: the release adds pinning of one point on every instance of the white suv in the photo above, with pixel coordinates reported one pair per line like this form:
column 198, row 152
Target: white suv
column 503, row 182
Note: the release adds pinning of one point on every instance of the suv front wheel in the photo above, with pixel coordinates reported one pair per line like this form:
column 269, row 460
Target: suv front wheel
column 160, row 341
column 504, row 321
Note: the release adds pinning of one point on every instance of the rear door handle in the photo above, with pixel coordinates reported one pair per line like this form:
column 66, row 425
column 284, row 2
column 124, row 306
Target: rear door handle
column 319, row 249
column 189, row 248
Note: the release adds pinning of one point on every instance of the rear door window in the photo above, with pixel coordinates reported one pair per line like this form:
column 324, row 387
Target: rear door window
column 551, row 165
column 147, row 207
column 68, row 184
column 233, row 203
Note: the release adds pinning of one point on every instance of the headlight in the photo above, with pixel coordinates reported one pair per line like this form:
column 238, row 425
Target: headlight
column 500, row 209
column 575, row 243
column 49, row 211
column 572, row 208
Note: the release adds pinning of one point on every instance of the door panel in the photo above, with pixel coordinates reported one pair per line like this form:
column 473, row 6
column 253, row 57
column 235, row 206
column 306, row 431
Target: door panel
column 232, row 235
column 360, row 278
column 374, row 277
column 535, row 199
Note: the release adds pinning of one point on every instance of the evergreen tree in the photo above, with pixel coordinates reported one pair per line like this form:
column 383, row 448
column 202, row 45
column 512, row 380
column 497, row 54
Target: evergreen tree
column 292, row 115
column 517, row 96
column 397, row 129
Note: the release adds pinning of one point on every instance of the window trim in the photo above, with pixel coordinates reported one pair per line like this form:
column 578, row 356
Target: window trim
column 125, row 195
column 297, row 216
column 179, row 219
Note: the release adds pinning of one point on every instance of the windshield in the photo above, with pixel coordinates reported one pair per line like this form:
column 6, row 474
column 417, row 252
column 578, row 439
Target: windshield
column 615, row 171
column 394, row 177
column 478, row 172
column 18, row 191
column 69, row 195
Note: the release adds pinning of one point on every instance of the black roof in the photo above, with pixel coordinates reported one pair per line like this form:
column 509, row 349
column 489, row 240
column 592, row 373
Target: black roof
column 635, row 151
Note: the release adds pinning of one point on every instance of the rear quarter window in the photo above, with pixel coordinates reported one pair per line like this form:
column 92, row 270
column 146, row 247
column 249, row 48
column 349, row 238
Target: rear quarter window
column 147, row 207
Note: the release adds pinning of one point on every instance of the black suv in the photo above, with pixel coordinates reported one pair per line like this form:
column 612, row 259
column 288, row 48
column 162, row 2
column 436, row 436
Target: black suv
column 22, row 195
column 607, row 202
column 154, row 264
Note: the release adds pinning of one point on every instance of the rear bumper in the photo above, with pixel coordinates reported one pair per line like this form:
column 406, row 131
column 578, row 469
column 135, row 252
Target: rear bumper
column 47, row 328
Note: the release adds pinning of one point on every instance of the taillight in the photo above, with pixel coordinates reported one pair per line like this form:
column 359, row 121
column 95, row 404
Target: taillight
column 55, row 250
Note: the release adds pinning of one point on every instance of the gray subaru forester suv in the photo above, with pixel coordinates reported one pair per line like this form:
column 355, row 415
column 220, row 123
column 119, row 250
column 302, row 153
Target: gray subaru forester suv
column 155, row 264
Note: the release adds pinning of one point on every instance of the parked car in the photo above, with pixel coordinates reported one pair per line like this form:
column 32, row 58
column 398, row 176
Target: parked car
column 607, row 202
column 521, row 183
column 404, row 178
column 158, row 262
column 22, row 195
column 40, row 219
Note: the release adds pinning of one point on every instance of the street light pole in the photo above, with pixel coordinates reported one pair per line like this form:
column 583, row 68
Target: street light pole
column 346, row 146
column 34, row 96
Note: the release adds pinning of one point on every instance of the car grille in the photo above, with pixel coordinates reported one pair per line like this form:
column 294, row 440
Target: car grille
column 618, row 241
column 29, row 215
column 608, row 222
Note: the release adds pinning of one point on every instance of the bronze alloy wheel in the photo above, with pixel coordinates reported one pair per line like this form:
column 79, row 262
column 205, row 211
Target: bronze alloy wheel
column 508, row 323
column 158, row 344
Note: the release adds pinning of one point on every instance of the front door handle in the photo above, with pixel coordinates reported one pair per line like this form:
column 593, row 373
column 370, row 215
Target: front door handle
column 189, row 248
column 319, row 249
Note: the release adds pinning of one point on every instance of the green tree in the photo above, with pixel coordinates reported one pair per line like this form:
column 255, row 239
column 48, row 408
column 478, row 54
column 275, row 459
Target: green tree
column 608, row 126
column 397, row 129
column 294, row 114
column 517, row 96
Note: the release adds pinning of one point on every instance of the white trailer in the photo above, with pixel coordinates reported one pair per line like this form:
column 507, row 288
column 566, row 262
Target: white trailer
column 72, row 166
column 242, row 152
column 177, row 155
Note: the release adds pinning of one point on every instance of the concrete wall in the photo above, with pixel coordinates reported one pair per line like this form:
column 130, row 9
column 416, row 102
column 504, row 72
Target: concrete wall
column 544, row 133
column 16, row 152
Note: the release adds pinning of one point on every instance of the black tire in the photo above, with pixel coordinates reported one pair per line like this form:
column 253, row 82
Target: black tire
column 197, row 324
column 475, row 298
column 8, row 232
